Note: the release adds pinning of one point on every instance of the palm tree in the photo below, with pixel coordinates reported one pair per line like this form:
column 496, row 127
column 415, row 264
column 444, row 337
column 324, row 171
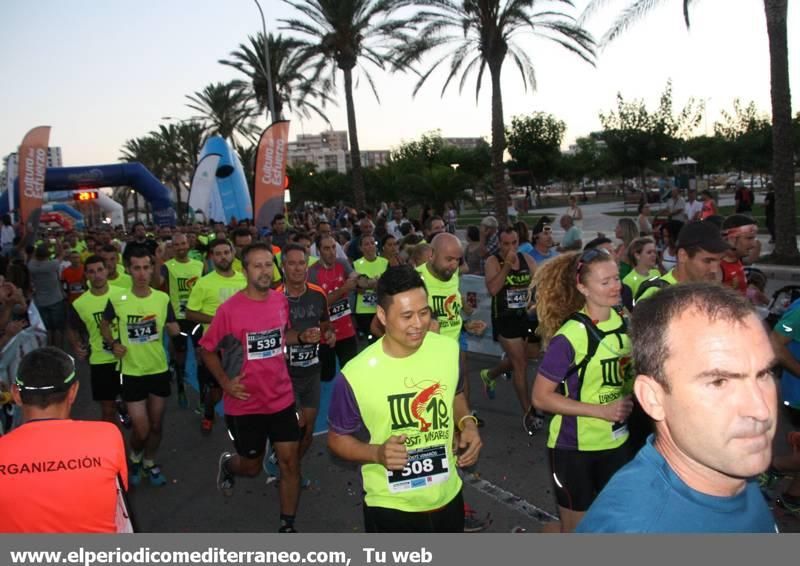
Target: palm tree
column 226, row 108
column 341, row 34
column 180, row 147
column 148, row 151
column 782, row 142
column 290, row 87
column 480, row 34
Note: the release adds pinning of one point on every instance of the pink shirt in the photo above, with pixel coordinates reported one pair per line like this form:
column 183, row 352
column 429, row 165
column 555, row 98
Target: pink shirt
column 251, row 338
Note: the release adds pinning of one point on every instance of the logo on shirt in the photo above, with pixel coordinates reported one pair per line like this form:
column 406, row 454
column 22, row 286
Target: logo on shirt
column 423, row 409
column 445, row 307
column 185, row 284
column 610, row 370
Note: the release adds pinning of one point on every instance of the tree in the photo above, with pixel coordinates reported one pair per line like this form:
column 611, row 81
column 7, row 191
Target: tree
column 148, row 151
column 534, row 142
column 638, row 140
column 226, row 109
column 782, row 140
column 480, row 34
column 747, row 136
column 341, row 34
column 291, row 89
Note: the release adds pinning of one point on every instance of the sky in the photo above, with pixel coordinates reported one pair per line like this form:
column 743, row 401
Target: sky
column 100, row 72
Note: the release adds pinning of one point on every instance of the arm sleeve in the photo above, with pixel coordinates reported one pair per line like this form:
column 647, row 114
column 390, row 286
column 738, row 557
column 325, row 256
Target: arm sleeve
column 109, row 314
column 557, row 360
column 344, row 417
column 171, row 313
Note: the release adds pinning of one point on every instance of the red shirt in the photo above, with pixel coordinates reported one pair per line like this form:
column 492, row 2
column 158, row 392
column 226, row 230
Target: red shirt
column 74, row 282
column 733, row 275
column 60, row 476
column 331, row 279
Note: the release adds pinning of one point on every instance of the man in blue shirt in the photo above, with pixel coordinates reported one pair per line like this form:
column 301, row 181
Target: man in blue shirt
column 704, row 365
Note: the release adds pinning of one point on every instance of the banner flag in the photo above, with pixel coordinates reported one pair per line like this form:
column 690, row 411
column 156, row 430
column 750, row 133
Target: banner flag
column 32, row 168
column 270, row 172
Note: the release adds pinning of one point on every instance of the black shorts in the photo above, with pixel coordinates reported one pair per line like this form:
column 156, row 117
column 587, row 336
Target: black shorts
column 511, row 327
column 250, row 432
column 181, row 341
column 306, row 390
column 345, row 350
column 139, row 387
column 447, row 519
column 105, row 379
column 580, row 475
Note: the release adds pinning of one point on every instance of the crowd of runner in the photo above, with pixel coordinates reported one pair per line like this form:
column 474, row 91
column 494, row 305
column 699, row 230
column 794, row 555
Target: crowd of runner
column 372, row 301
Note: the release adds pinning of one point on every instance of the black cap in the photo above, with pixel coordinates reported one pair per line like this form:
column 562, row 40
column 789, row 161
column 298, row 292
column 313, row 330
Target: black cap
column 704, row 235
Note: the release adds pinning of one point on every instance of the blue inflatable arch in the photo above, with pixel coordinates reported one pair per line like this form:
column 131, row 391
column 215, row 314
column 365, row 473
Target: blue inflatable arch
column 134, row 175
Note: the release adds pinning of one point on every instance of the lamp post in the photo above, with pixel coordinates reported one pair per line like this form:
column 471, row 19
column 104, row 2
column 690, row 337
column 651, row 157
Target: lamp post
column 270, row 99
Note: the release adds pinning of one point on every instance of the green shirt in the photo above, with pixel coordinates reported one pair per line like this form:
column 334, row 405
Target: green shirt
column 669, row 277
column 212, row 290
column 123, row 280
column 182, row 277
column 367, row 302
column 141, row 326
column 90, row 308
column 444, row 298
column 414, row 396
column 634, row 279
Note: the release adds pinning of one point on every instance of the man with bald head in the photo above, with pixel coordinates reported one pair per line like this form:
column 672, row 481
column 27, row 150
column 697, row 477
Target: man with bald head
column 440, row 275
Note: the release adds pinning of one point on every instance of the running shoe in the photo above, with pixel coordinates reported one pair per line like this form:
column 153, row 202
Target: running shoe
column 287, row 529
column 473, row 523
column 225, row 478
column 135, row 473
column 532, row 421
column 489, row 384
column 155, row 476
column 206, row 426
column 125, row 420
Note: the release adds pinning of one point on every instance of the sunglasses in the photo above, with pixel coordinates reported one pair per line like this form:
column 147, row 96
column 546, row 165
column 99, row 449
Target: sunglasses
column 590, row 255
column 63, row 386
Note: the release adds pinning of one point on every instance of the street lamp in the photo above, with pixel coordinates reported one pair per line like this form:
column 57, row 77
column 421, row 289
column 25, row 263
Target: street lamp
column 270, row 100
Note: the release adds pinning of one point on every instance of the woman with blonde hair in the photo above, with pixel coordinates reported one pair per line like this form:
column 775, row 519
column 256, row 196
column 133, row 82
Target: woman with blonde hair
column 581, row 378
column 627, row 231
column 643, row 256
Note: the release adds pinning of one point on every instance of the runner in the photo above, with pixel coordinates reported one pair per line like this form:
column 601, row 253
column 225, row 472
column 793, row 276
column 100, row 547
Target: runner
column 405, row 391
column 699, row 251
column 177, row 276
column 441, row 277
column 338, row 280
column 308, row 309
column 73, row 278
column 66, row 475
column 84, row 319
column 143, row 314
column 740, row 231
column 116, row 273
column 243, row 349
column 643, row 256
column 369, row 268
column 205, row 298
column 508, row 276
column 581, row 380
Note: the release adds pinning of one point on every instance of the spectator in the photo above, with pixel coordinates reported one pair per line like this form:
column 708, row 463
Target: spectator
column 676, row 206
column 709, row 206
column 472, row 252
column 7, row 236
column 47, row 294
column 572, row 235
column 627, row 231
column 744, row 199
column 488, row 232
column 574, row 211
column 693, row 208
column 645, row 226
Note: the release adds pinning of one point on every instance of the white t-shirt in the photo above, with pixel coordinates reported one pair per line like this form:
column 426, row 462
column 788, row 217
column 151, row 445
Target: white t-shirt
column 692, row 208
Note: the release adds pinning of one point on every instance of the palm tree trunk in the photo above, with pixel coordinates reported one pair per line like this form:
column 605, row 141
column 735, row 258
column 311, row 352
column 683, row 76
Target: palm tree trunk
column 498, row 146
column 359, row 194
column 782, row 152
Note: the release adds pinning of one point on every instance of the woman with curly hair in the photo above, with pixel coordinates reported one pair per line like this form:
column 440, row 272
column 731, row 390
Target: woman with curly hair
column 580, row 380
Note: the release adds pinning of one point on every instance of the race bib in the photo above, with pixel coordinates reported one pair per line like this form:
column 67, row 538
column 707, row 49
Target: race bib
column 517, row 298
column 340, row 309
column 370, row 298
column 263, row 345
column 304, row 355
column 143, row 331
column 425, row 466
column 76, row 287
column 618, row 430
